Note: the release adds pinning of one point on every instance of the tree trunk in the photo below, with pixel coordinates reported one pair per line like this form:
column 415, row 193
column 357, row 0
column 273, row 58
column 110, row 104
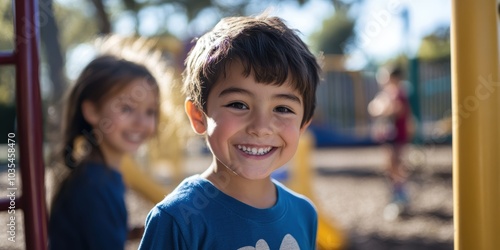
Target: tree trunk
column 102, row 15
column 49, row 33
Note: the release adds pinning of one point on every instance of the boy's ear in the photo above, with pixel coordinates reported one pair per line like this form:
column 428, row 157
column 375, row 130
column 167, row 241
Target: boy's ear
column 90, row 113
column 196, row 117
column 305, row 126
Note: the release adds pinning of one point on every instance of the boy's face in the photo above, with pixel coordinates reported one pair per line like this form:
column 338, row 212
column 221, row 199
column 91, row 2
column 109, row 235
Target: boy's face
column 251, row 128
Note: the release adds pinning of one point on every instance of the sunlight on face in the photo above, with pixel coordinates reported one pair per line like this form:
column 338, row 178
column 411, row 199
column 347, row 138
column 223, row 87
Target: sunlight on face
column 211, row 125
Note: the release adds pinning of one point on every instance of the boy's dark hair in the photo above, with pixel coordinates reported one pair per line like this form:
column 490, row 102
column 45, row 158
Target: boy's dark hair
column 266, row 47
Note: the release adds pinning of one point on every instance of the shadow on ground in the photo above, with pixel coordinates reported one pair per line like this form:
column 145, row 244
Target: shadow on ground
column 378, row 242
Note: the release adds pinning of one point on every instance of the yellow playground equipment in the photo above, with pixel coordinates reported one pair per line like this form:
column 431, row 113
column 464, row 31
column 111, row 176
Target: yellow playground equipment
column 475, row 47
column 329, row 235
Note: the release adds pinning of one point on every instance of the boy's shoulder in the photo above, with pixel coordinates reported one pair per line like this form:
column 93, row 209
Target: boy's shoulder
column 295, row 198
column 187, row 190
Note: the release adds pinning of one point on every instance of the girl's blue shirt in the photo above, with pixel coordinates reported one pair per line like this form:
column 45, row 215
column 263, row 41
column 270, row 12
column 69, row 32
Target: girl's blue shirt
column 90, row 212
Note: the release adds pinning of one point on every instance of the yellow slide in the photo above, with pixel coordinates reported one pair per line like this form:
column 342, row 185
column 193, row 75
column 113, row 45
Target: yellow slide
column 141, row 182
column 329, row 236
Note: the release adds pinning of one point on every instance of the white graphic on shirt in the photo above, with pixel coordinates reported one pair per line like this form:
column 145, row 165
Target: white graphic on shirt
column 288, row 243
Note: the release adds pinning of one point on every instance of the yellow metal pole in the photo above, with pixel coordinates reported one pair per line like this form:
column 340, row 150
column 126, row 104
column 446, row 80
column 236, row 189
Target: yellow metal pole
column 476, row 123
column 329, row 235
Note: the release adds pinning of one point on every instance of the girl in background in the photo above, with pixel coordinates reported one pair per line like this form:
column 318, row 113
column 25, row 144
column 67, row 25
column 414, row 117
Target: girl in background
column 111, row 110
column 391, row 105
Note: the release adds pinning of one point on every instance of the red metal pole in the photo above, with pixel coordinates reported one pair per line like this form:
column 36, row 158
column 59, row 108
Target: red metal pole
column 7, row 57
column 5, row 204
column 30, row 124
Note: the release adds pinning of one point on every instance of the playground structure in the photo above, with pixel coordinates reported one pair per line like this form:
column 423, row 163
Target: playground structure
column 341, row 118
column 29, row 159
column 476, row 121
column 329, row 236
column 475, row 75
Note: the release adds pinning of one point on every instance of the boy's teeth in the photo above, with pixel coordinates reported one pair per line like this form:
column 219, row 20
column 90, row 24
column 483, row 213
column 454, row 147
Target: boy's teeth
column 254, row 150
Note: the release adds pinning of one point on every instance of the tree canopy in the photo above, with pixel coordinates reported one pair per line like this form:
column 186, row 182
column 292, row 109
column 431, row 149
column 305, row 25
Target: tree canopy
column 334, row 34
column 436, row 46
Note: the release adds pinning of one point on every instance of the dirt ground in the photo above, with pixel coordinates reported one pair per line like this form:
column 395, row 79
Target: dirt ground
column 355, row 192
column 350, row 188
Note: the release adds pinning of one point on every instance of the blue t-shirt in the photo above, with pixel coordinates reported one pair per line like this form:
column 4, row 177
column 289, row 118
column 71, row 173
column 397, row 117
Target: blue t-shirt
column 196, row 215
column 90, row 211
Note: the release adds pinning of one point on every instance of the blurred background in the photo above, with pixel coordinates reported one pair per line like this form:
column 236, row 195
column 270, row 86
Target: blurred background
column 353, row 38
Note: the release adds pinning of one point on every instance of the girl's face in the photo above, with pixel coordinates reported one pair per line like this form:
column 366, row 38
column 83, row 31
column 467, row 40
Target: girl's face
column 126, row 120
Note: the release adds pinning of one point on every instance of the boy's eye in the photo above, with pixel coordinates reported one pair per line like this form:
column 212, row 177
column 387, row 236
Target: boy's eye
column 282, row 109
column 237, row 105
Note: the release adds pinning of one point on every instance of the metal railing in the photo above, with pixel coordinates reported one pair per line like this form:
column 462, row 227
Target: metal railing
column 28, row 136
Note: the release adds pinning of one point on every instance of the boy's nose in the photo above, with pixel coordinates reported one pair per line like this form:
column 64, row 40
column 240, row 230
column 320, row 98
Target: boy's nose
column 260, row 124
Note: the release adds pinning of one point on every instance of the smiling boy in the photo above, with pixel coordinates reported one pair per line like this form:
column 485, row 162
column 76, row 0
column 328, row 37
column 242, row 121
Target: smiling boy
column 251, row 85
